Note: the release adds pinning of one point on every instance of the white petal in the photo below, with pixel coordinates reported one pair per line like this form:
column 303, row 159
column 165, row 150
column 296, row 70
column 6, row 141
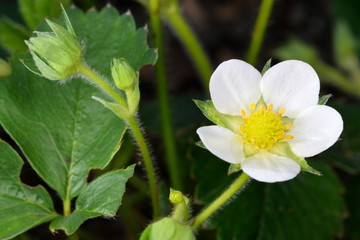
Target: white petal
column 291, row 84
column 223, row 143
column 267, row 167
column 315, row 129
column 234, row 85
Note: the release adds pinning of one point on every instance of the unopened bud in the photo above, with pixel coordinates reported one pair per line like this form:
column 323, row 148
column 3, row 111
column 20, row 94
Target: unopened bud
column 123, row 74
column 56, row 54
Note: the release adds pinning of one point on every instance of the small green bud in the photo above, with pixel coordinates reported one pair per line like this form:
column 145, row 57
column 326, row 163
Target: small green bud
column 181, row 206
column 123, row 74
column 57, row 54
column 167, row 229
column 175, row 197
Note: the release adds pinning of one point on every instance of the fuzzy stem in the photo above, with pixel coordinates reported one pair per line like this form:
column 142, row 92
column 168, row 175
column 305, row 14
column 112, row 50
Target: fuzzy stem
column 167, row 129
column 179, row 212
column 192, row 44
column 259, row 30
column 148, row 164
column 86, row 71
column 223, row 198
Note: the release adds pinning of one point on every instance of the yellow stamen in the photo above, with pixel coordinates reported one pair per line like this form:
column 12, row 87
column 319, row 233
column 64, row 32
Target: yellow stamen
column 243, row 113
column 241, row 129
column 263, row 128
column 252, row 106
column 281, row 111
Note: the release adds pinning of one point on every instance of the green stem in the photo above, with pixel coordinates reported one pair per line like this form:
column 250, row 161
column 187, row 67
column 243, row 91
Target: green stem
column 181, row 212
column 192, row 44
column 233, row 188
column 167, row 129
column 259, row 30
column 86, row 71
column 148, row 165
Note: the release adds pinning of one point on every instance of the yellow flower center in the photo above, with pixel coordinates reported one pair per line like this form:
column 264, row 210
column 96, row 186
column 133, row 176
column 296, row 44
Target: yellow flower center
column 263, row 128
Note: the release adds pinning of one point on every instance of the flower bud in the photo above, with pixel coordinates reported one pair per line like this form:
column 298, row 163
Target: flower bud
column 123, row 74
column 167, row 229
column 175, row 197
column 56, row 54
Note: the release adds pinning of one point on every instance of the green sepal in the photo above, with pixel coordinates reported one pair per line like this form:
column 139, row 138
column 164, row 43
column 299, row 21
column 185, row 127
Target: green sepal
column 283, row 149
column 167, row 229
column 233, row 168
column 133, row 97
column 249, row 150
column 223, row 120
column 287, row 120
column 67, row 21
column 266, row 67
column 116, row 108
column 323, row 100
column 200, row 144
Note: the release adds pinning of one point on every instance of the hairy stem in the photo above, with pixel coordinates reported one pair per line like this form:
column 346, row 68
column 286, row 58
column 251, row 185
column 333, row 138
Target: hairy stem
column 86, row 71
column 259, row 30
column 148, row 164
column 223, row 198
column 166, row 123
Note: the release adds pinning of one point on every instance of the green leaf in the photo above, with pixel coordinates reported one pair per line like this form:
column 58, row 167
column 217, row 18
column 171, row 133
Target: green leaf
column 61, row 130
column 101, row 197
column 21, row 207
column 324, row 99
column 305, row 208
column 12, row 35
column 34, row 11
column 266, row 67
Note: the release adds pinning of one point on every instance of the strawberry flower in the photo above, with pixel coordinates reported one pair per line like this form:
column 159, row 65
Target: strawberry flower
column 268, row 124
